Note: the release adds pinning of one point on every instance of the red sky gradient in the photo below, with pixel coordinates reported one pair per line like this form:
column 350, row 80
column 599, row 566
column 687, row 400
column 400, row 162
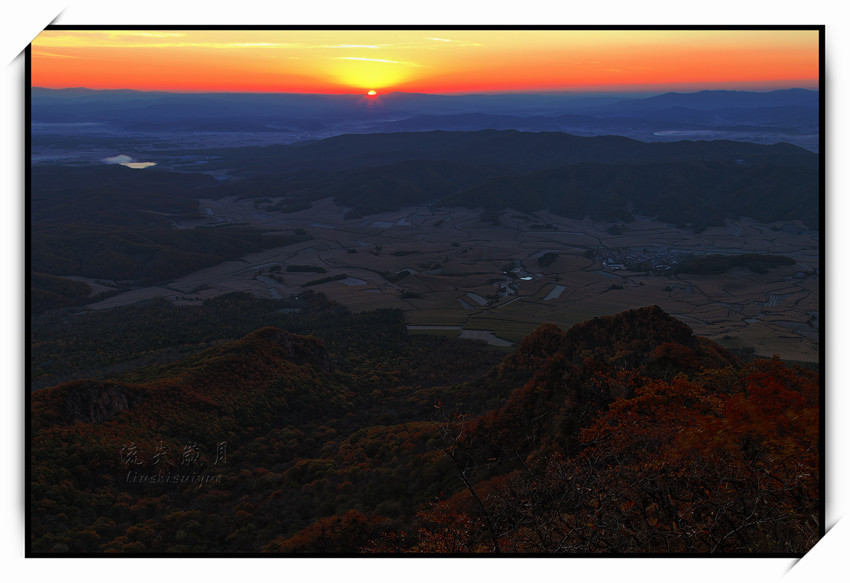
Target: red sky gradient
column 427, row 61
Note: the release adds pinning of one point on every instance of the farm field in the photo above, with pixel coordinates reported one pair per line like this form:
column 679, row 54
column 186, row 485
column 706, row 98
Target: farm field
column 466, row 268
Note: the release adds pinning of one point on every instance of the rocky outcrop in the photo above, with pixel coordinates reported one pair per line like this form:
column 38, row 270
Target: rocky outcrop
column 95, row 402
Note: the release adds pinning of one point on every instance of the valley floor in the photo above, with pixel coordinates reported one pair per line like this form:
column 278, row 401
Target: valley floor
column 481, row 278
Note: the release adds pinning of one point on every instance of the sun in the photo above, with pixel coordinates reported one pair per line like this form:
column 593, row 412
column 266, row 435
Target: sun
column 372, row 93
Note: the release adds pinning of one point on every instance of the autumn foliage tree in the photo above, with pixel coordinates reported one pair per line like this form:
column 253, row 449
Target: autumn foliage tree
column 678, row 467
column 624, row 435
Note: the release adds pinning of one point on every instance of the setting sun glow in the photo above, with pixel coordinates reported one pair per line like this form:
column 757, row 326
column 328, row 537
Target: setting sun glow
column 428, row 61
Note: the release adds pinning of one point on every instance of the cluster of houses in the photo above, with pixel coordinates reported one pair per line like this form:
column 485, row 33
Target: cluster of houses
column 658, row 260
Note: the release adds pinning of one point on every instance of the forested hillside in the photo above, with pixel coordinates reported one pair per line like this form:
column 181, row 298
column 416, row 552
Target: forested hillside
column 604, row 177
column 624, row 434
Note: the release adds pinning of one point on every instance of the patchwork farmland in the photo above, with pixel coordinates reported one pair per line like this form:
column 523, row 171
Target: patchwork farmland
column 463, row 271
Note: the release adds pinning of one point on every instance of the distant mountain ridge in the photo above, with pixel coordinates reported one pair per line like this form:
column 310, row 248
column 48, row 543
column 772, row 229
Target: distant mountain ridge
column 724, row 99
column 82, row 100
column 790, row 114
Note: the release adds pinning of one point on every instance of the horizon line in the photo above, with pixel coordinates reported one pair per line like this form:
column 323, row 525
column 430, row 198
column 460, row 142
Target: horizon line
column 453, row 94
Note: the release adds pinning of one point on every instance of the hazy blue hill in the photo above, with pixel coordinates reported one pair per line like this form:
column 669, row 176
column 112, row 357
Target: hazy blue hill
column 704, row 109
column 507, row 148
column 477, row 121
column 720, row 99
column 764, row 117
column 752, row 115
column 75, row 105
column 69, row 105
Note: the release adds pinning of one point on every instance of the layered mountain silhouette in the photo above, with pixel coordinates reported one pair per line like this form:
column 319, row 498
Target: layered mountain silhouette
column 793, row 111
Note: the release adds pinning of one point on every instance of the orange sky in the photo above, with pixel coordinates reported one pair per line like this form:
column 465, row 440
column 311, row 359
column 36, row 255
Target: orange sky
column 429, row 61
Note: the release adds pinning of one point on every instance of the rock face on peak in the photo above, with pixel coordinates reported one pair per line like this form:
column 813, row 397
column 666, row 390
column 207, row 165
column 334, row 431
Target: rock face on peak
column 625, row 339
column 94, row 402
column 86, row 401
column 83, row 401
